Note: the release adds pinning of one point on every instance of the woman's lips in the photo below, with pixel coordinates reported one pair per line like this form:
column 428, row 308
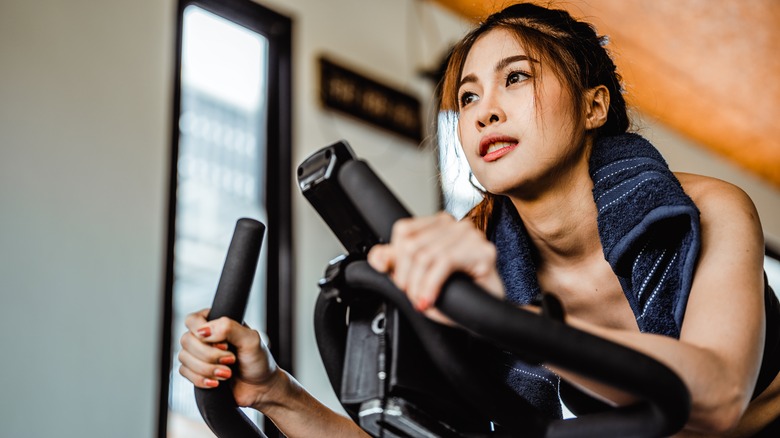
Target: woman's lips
column 498, row 149
column 493, row 146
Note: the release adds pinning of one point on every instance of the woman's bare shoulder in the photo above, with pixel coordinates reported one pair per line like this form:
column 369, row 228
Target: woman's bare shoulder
column 721, row 204
column 708, row 192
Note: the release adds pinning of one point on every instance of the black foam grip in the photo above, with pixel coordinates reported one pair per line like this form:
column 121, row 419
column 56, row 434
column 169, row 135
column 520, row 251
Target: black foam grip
column 238, row 272
column 217, row 405
column 371, row 197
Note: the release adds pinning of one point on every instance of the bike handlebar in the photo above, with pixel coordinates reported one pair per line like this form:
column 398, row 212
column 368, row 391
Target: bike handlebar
column 217, row 405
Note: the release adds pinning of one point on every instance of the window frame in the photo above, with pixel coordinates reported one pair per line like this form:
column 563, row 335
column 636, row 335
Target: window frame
column 279, row 286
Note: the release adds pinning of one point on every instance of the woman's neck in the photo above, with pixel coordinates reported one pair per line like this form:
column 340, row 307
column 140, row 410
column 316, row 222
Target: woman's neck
column 561, row 221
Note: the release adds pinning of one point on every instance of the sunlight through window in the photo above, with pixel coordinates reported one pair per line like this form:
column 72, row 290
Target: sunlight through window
column 220, row 176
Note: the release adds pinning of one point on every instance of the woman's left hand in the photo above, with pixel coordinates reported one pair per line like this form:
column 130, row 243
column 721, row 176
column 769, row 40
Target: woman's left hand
column 423, row 253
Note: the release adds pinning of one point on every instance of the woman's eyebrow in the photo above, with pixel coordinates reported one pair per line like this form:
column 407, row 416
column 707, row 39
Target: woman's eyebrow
column 503, row 63
column 470, row 78
column 510, row 60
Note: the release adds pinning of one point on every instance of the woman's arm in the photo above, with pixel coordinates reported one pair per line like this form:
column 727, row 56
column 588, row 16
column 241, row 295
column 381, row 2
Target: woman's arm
column 259, row 382
column 720, row 347
column 298, row 414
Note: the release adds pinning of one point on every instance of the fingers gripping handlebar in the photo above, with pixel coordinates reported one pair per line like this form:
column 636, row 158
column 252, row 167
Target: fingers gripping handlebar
column 217, row 405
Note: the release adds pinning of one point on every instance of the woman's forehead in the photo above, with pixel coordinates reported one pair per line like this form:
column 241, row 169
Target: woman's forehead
column 491, row 47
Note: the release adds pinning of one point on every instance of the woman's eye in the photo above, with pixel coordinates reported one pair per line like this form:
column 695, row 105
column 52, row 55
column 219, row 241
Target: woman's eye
column 467, row 98
column 515, row 77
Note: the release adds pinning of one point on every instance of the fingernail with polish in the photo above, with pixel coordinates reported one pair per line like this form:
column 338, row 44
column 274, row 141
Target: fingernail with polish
column 221, row 372
column 204, row 332
column 227, row 360
column 211, row 383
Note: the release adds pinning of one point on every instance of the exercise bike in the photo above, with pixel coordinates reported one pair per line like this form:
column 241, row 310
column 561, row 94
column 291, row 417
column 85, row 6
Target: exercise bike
column 399, row 374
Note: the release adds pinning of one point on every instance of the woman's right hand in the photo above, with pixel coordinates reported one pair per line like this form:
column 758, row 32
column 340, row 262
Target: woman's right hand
column 206, row 360
column 424, row 252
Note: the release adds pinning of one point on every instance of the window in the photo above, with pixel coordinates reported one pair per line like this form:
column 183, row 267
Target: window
column 460, row 190
column 231, row 159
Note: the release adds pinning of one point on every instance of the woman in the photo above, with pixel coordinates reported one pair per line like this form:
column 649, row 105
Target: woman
column 542, row 123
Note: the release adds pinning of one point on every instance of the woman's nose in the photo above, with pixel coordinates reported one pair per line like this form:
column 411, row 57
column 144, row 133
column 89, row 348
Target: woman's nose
column 491, row 113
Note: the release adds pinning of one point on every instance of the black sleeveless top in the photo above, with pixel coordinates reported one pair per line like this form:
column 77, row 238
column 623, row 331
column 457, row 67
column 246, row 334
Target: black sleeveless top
column 770, row 364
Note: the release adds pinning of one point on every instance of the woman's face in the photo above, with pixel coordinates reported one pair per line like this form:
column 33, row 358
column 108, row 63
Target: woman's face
column 515, row 144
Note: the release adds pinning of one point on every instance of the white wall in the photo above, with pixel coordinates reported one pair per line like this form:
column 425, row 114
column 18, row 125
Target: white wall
column 85, row 97
column 84, row 109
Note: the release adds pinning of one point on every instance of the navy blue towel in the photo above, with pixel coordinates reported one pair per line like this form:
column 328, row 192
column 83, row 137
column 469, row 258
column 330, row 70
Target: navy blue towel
column 649, row 230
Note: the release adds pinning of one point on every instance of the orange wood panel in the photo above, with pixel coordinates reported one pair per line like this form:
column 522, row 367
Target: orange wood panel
column 708, row 69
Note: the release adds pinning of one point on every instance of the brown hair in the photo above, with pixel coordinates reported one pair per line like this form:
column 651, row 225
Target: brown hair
column 572, row 49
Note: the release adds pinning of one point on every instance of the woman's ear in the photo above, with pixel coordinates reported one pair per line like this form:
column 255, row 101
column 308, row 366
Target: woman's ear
column 596, row 107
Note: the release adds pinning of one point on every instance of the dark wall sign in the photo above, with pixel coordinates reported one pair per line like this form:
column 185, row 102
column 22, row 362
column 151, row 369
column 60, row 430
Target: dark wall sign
column 368, row 100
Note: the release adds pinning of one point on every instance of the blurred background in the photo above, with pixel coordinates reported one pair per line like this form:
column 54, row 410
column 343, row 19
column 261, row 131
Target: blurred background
column 134, row 134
